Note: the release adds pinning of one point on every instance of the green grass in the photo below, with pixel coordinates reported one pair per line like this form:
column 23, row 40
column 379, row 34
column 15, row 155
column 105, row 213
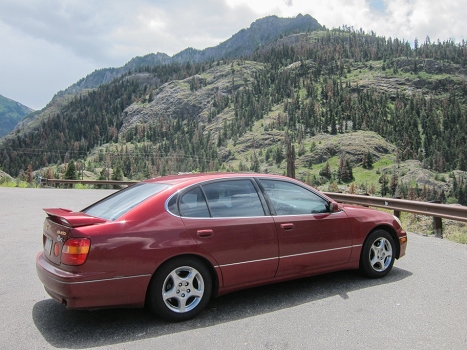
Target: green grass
column 362, row 175
column 458, row 236
column 83, row 187
column 8, row 183
column 16, row 183
column 455, row 231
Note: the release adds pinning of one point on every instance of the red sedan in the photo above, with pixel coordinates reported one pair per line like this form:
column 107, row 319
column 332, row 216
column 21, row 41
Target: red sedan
column 173, row 242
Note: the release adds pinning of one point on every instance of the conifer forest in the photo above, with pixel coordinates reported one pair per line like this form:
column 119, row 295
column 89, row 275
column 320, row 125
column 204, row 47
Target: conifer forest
column 273, row 104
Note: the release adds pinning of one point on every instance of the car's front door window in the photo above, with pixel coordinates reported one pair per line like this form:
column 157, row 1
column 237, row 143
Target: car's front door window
column 290, row 199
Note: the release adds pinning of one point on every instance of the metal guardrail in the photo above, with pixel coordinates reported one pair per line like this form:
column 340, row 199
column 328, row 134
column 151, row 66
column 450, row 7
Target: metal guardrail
column 437, row 211
column 452, row 212
column 48, row 182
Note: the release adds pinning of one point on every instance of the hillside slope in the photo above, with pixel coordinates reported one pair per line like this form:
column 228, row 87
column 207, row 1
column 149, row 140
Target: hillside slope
column 242, row 44
column 11, row 113
column 337, row 96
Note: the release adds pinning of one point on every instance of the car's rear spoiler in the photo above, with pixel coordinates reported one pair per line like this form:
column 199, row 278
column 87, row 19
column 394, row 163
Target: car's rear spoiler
column 72, row 219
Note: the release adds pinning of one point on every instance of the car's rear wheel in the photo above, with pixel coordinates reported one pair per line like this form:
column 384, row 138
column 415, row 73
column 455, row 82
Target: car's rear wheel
column 378, row 253
column 180, row 289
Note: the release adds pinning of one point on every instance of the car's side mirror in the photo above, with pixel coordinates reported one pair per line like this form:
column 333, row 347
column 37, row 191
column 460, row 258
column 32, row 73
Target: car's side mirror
column 333, row 207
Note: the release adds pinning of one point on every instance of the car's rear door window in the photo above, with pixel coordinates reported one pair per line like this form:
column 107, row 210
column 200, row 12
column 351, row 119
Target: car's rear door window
column 193, row 204
column 233, row 198
column 227, row 198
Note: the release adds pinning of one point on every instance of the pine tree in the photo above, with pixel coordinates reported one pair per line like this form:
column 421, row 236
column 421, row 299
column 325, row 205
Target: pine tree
column 49, row 174
column 462, row 194
column 383, row 180
column 367, row 161
column 326, row 171
column 344, row 172
column 291, row 161
column 117, row 173
column 29, row 174
column 70, row 173
column 279, row 155
column 393, row 183
column 349, row 174
column 255, row 166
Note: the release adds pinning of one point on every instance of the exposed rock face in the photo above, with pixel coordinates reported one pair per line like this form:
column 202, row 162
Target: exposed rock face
column 414, row 173
column 177, row 99
column 353, row 145
column 391, row 85
column 144, row 78
column 430, row 66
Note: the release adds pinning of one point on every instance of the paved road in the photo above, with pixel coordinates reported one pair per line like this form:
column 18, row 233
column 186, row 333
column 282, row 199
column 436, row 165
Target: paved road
column 422, row 304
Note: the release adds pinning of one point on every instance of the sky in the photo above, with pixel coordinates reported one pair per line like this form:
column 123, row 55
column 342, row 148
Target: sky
column 47, row 45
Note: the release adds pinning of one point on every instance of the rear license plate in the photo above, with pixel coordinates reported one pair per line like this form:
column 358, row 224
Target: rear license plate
column 48, row 246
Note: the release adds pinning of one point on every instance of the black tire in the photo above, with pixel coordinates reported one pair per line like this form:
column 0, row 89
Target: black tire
column 378, row 254
column 180, row 289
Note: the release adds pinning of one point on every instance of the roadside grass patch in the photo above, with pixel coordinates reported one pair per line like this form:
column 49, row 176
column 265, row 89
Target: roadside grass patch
column 8, row 183
column 455, row 231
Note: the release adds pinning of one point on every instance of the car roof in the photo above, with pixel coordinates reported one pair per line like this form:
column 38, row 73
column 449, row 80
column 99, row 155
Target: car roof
column 183, row 180
column 201, row 177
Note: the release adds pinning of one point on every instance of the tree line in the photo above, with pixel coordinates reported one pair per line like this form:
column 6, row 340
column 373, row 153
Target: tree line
column 312, row 83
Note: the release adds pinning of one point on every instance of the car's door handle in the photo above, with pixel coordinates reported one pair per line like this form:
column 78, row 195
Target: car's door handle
column 204, row 233
column 287, row 227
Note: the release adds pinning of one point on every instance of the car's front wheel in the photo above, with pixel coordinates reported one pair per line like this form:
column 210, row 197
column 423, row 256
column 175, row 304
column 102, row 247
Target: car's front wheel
column 378, row 253
column 180, row 289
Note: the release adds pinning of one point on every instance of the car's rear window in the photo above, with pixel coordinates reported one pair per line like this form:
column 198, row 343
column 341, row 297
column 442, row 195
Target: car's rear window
column 114, row 206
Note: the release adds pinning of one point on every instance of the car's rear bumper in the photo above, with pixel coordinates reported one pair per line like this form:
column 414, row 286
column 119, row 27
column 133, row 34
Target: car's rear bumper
column 78, row 292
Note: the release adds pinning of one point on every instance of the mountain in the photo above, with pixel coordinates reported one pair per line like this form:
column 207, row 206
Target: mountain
column 244, row 43
column 11, row 113
column 349, row 102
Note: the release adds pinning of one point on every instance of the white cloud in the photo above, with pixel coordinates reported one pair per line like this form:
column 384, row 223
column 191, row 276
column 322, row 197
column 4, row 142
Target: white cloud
column 32, row 70
column 49, row 44
column 419, row 18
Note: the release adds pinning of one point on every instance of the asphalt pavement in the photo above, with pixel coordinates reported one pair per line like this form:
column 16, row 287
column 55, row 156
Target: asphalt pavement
column 421, row 304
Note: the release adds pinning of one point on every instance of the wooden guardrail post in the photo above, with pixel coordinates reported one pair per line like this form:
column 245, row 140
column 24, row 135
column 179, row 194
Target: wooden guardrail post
column 437, row 224
column 397, row 213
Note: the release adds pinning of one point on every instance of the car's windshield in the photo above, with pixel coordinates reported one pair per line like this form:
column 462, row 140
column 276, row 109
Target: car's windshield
column 112, row 207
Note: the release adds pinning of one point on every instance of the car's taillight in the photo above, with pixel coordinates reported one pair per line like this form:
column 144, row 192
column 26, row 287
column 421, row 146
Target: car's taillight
column 75, row 251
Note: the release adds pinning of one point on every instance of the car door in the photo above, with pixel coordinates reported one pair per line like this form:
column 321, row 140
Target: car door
column 310, row 236
column 228, row 220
